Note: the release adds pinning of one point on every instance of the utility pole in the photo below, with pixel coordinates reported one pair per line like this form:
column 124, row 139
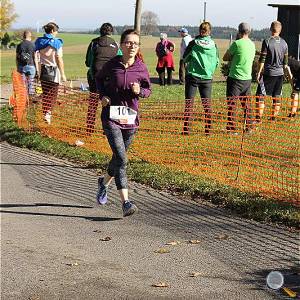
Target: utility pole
column 137, row 16
column 204, row 18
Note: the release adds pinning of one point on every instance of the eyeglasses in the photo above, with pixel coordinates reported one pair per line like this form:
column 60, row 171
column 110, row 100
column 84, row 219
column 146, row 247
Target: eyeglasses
column 131, row 44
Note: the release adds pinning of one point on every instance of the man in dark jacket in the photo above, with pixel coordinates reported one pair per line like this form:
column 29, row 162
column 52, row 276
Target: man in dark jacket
column 26, row 60
column 100, row 50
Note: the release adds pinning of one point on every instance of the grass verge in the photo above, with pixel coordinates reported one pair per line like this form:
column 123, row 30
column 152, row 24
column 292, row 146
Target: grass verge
column 243, row 204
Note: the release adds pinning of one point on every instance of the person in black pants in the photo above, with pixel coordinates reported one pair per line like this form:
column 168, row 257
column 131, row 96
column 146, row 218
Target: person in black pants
column 273, row 60
column 202, row 58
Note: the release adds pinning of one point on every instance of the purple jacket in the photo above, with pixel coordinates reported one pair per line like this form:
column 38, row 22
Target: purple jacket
column 114, row 81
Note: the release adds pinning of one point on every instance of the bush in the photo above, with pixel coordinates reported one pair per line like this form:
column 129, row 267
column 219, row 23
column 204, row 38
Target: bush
column 255, row 66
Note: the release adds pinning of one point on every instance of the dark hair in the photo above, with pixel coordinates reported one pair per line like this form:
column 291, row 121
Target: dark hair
column 205, row 29
column 26, row 34
column 106, row 29
column 50, row 26
column 127, row 32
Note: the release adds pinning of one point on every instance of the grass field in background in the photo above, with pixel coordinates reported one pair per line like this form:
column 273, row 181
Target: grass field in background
column 75, row 46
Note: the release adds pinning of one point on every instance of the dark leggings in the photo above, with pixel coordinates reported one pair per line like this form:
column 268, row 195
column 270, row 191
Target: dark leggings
column 162, row 76
column 205, row 87
column 50, row 92
column 119, row 141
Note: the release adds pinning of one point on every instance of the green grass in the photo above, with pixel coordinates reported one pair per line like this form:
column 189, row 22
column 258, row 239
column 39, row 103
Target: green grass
column 247, row 205
column 75, row 46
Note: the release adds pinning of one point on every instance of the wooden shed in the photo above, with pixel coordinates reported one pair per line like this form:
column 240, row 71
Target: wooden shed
column 289, row 16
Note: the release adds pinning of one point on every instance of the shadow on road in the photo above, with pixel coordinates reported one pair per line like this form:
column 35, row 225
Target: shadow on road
column 44, row 204
column 91, row 218
column 251, row 248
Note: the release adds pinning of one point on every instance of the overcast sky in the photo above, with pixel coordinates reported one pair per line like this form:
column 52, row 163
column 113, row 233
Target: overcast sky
column 89, row 14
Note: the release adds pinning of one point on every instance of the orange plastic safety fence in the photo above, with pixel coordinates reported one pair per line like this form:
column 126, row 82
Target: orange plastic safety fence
column 226, row 141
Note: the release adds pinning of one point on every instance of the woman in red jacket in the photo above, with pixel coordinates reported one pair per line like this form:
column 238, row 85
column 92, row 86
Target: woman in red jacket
column 164, row 51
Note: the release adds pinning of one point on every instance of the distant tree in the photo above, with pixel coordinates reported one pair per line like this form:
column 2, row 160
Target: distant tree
column 7, row 15
column 149, row 22
column 137, row 15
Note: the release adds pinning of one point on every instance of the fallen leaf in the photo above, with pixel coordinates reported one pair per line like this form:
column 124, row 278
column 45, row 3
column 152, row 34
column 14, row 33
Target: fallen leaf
column 97, row 230
column 173, row 243
column 162, row 251
column 72, row 264
column 34, row 298
column 222, row 236
column 106, row 239
column 160, row 284
column 194, row 242
column 195, row 274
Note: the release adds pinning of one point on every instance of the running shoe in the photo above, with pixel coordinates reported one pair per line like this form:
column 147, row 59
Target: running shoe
column 47, row 117
column 102, row 192
column 129, row 208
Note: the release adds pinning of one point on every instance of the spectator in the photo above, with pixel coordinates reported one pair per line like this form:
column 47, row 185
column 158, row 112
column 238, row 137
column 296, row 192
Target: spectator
column 26, row 60
column 202, row 59
column 186, row 38
column 100, row 50
column 240, row 54
column 273, row 59
column 52, row 67
column 164, row 51
column 121, row 82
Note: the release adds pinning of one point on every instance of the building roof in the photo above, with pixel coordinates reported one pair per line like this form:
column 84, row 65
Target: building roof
column 284, row 5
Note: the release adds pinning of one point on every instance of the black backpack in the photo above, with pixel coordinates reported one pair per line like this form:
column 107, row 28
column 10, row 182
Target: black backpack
column 24, row 57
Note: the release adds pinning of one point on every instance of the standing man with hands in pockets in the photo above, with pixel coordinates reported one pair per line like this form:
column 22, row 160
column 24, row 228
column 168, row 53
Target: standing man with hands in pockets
column 121, row 83
column 186, row 38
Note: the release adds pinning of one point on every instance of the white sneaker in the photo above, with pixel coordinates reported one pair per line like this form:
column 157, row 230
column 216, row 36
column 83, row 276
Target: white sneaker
column 79, row 143
column 47, row 117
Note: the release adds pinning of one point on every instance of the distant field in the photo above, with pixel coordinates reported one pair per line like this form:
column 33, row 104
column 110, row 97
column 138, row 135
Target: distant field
column 75, row 46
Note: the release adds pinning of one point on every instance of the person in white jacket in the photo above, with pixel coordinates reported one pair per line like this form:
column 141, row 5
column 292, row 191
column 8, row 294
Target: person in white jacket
column 186, row 38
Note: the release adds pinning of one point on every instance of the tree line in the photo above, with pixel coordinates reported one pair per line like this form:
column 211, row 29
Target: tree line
column 218, row 32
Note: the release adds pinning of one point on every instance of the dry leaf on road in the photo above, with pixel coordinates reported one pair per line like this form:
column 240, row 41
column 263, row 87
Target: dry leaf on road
column 173, row 243
column 195, row 274
column 162, row 251
column 160, row 284
column 193, row 242
column 106, row 239
column 222, row 236
column 72, row 264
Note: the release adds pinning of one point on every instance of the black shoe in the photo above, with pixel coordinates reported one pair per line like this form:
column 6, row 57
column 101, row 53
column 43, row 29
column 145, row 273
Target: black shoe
column 129, row 208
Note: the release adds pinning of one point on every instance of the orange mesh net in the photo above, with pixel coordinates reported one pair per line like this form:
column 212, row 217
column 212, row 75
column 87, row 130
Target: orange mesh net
column 228, row 144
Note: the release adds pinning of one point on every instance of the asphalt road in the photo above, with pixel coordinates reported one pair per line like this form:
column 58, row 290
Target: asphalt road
column 52, row 247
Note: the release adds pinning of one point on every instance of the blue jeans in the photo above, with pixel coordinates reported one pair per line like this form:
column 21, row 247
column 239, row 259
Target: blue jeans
column 28, row 74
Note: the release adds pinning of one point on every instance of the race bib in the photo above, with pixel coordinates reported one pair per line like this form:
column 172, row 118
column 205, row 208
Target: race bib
column 122, row 114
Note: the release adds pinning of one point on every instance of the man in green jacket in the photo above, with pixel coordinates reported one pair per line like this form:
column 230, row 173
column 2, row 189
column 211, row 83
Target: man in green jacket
column 201, row 58
column 241, row 54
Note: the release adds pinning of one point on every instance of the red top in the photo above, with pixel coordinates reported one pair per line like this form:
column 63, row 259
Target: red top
column 167, row 60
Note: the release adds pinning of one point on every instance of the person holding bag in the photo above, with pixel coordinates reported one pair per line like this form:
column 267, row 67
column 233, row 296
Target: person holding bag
column 51, row 67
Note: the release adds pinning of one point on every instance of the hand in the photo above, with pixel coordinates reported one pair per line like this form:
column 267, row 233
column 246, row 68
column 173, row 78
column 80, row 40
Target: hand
column 63, row 78
column 105, row 101
column 135, row 87
column 258, row 77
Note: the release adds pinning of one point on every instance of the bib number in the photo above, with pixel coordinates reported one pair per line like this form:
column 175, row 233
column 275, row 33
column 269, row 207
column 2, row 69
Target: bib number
column 122, row 114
